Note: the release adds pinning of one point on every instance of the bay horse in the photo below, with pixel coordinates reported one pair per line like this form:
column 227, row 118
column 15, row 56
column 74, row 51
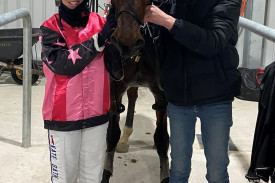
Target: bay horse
column 139, row 71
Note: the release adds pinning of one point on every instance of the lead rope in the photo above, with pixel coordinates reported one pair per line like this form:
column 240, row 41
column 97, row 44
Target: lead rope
column 155, row 42
column 158, row 74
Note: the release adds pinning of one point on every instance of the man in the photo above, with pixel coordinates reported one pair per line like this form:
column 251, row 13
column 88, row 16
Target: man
column 200, row 79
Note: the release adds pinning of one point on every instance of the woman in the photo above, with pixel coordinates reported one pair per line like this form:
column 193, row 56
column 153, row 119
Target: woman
column 76, row 103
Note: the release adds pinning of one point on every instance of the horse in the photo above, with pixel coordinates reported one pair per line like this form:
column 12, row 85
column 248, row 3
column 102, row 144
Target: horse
column 139, row 69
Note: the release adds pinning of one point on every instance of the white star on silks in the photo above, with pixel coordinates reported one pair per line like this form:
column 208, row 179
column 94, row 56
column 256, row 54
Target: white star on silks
column 74, row 55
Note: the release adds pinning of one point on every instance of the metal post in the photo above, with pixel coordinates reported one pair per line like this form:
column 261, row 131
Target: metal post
column 96, row 8
column 27, row 73
column 264, row 41
column 247, row 34
column 27, row 76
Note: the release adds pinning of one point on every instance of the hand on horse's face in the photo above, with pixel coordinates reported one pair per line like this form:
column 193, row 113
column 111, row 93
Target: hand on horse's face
column 155, row 15
column 111, row 19
column 109, row 26
column 112, row 13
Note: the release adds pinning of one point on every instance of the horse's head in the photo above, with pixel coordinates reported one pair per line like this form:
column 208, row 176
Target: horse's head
column 127, row 37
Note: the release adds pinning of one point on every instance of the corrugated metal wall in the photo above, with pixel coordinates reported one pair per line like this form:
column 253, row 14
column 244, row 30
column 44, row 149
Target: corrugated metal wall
column 41, row 10
column 260, row 52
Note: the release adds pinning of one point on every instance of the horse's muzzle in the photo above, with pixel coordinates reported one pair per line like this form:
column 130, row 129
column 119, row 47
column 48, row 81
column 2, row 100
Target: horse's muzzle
column 127, row 51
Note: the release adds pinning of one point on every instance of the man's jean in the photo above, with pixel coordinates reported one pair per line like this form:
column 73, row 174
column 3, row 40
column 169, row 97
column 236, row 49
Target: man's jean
column 216, row 120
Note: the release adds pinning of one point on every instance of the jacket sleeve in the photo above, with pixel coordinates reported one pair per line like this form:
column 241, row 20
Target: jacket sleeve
column 63, row 60
column 218, row 28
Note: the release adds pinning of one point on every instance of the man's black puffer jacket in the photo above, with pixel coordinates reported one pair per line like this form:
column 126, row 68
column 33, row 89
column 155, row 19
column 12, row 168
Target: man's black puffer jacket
column 198, row 56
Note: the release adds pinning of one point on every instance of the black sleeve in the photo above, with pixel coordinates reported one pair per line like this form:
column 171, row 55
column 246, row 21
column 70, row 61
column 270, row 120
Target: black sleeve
column 218, row 27
column 63, row 60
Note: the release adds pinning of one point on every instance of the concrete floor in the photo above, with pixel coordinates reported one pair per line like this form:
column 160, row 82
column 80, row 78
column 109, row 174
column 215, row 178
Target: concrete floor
column 31, row 165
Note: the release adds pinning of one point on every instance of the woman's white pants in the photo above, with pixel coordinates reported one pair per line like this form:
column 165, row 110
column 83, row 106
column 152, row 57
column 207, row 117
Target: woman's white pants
column 78, row 156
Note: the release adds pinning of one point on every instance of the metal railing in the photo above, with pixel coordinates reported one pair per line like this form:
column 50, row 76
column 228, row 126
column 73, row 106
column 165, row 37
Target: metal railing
column 257, row 28
column 27, row 68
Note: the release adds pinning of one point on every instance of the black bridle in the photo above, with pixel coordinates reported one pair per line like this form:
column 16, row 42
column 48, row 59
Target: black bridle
column 131, row 11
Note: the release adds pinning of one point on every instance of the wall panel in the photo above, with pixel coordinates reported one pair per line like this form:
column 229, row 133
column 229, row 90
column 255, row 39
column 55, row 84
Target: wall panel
column 39, row 10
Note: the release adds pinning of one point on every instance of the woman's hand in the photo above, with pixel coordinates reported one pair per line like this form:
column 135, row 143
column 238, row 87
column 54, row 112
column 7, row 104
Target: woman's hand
column 155, row 15
column 108, row 28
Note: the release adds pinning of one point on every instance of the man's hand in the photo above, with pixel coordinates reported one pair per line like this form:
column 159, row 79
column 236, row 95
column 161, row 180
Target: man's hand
column 155, row 15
